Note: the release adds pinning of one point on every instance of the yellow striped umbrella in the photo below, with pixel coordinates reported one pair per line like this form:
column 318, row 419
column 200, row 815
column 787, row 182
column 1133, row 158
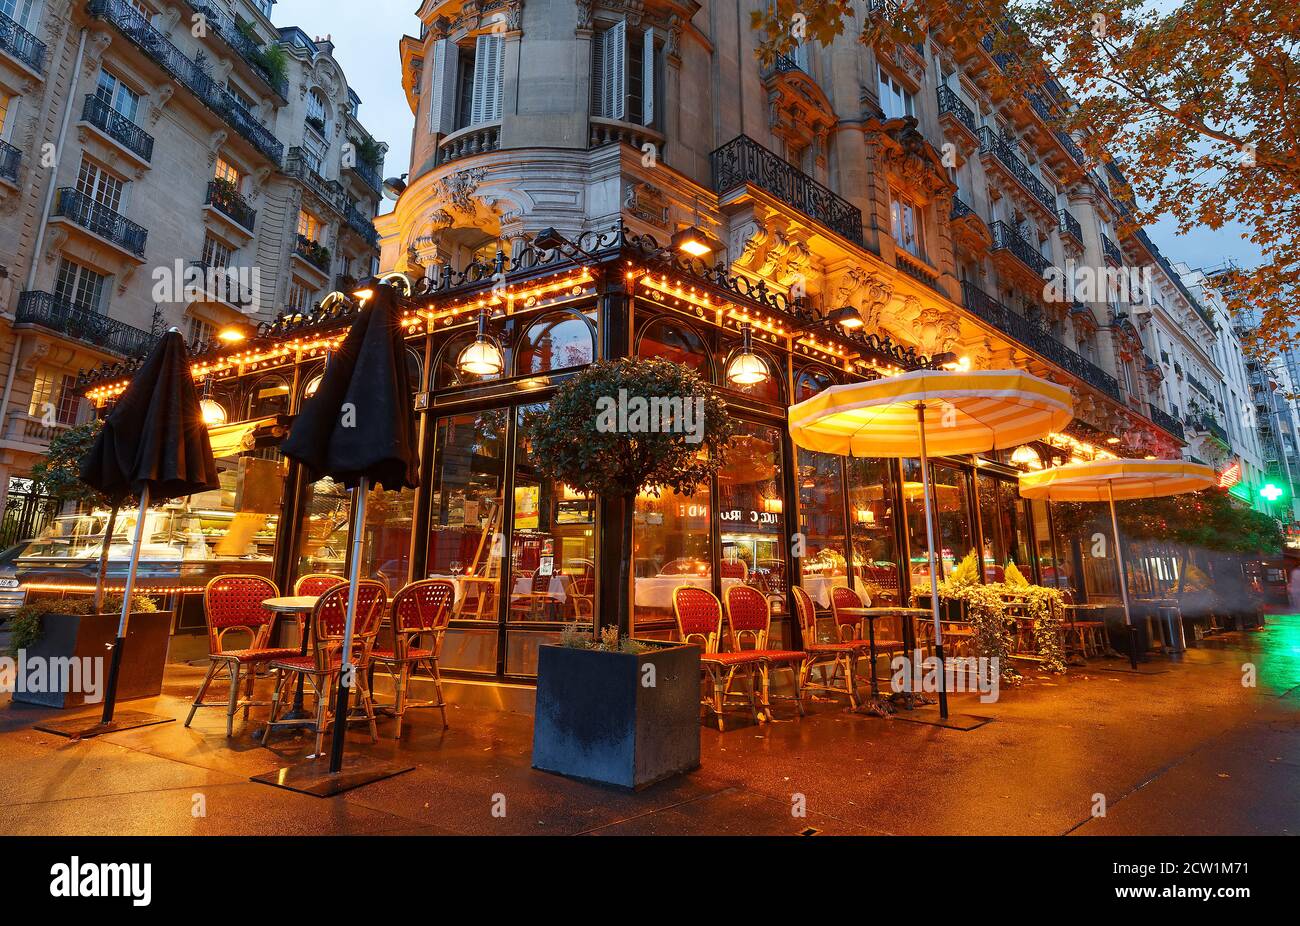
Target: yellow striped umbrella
column 931, row 412
column 1108, row 480
column 962, row 412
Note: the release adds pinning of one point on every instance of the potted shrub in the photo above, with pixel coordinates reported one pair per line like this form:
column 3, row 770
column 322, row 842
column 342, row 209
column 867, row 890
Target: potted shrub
column 56, row 631
column 612, row 709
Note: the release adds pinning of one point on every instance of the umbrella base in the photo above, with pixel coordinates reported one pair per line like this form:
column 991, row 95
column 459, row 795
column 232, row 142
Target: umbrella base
column 314, row 777
column 80, row 728
column 1142, row 669
column 931, row 718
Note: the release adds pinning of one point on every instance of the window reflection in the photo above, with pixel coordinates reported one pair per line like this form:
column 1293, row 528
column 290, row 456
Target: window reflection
column 871, row 512
column 270, row 396
column 950, row 488
column 821, row 520
column 670, row 547
column 750, row 516
column 323, row 540
column 386, row 555
column 677, row 342
column 554, row 343
column 448, row 373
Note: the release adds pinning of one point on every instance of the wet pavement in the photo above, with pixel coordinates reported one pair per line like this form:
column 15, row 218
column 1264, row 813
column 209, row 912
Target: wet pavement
column 1186, row 749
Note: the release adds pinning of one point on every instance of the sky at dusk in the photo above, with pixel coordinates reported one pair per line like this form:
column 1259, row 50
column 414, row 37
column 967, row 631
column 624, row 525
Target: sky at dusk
column 365, row 38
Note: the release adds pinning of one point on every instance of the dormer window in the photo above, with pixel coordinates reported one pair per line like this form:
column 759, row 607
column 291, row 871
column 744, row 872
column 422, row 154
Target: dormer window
column 625, row 65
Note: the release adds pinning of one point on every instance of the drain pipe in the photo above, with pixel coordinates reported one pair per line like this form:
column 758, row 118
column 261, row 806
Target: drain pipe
column 35, row 262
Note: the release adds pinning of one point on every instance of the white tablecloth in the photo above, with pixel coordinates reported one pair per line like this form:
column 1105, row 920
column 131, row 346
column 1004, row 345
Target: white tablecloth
column 657, row 591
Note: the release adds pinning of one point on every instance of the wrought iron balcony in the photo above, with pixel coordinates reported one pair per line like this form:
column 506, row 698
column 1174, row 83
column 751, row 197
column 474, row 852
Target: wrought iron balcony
column 950, row 104
column 96, row 217
column 223, row 197
column 90, row 327
column 117, row 127
column 20, row 43
column 959, row 209
column 365, row 227
column 781, row 64
column 227, row 30
column 10, row 158
column 1002, row 58
column 192, row 75
column 1070, row 226
column 313, row 252
column 1110, row 250
column 301, row 166
column 369, row 174
column 1039, row 106
column 1199, row 386
column 1206, row 424
column 996, row 145
column 1005, row 237
column 744, row 161
column 1070, row 145
column 1037, row 338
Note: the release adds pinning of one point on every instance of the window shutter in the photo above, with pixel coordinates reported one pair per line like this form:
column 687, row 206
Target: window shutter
column 648, row 78
column 611, row 68
column 442, row 87
column 489, row 68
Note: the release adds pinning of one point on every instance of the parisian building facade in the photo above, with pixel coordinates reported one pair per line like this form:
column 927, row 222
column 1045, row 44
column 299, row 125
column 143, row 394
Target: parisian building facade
column 161, row 164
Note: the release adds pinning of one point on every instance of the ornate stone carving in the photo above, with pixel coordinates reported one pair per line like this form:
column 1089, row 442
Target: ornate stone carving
column 934, row 330
column 458, row 188
column 907, row 159
column 158, row 99
column 646, row 202
column 774, row 253
column 869, row 292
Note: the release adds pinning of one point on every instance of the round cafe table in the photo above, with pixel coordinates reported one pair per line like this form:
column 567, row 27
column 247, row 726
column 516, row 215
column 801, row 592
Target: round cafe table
column 876, row 705
column 299, row 606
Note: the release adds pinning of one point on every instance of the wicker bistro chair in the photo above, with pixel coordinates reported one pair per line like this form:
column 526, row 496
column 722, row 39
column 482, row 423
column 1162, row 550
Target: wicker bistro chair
column 835, row 660
column 699, row 620
column 1092, row 636
column 320, row 667
column 749, row 619
column 317, row 583
column 420, row 608
column 233, row 604
column 848, row 627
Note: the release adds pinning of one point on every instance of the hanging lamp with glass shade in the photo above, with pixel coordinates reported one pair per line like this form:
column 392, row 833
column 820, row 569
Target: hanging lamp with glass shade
column 747, row 368
column 482, row 357
column 214, row 413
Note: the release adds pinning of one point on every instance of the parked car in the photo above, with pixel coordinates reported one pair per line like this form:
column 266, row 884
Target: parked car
column 11, row 592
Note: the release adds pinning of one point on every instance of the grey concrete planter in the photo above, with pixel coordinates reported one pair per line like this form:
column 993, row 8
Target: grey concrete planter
column 68, row 636
column 598, row 719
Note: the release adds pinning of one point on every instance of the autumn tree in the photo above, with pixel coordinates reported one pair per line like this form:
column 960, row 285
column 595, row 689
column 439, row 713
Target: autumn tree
column 1198, row 104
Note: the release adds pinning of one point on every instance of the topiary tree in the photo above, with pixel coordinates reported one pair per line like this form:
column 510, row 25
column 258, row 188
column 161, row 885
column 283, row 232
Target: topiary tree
column 59, row 476
column 625, row 426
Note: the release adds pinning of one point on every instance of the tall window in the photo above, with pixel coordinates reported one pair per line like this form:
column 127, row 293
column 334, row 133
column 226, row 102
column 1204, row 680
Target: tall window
column 895, row 100
column 97, row 184
column 906, row 219
column 79, row 286
column 308, row 225
column 298, row 295
column 198, row 331
column 55, row 393
column 5, row 101
column 227, row 172
column 20, row 11
column 317, row 112
column 216, row 253
column 117, row 95
column 624, row 69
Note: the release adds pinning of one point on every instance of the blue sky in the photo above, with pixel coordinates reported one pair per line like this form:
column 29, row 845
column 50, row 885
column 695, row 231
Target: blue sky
column 365, row 38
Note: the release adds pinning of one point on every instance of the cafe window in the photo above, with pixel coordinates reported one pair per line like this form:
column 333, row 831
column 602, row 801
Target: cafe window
column 677, row 342
column 810, row 382
column 876, row 560
column 821, row 522
column 269, row 396
column 386, row 553
column 950, row 486
column 323, row 539
column 750, row 513
column 447, row 372
column 556, row 342
column 670, row 547
column 552, row 558
column 1051, row 570
column 769, row 390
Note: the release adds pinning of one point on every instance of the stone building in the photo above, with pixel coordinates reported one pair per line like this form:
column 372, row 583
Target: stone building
column 161, row 163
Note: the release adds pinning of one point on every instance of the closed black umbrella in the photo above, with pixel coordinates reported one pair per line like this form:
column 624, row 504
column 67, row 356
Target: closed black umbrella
column 153, row 444
column 359, row 430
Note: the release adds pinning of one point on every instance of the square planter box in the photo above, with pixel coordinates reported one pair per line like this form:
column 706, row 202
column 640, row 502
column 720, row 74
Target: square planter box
column 69, row 636
column 597, row 720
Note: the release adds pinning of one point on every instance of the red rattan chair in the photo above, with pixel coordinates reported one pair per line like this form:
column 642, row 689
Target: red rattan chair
column 699, row 620
column 848, row 627
column 835, row 659
column 320, row 667
column 233, row 604
column 317, row 584
column 749, row 621
column 419, row 608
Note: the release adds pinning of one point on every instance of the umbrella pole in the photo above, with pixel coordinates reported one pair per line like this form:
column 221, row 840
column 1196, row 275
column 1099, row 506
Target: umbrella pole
column 1123, row 578
column 115, row 661
column 934, row 574
column 346, row 668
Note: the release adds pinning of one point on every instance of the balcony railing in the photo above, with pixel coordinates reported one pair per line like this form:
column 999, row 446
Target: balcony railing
column 1005, row 237
column 10, row 158
column 20, row 43
column 190, row 74
column 781, row 64
column 1199, row 386
column 951, row 104
column 478, row 140
column 1206, row 424
column 1070, row 226
column 313, row 252
column 363, row 226
column 992, row 143
column 1037, row 338
column 226, row 200
column 48, row 311
column 1070, row 145
column 227, row 30
column 298, row 164
column 369, row 174
column 117, row 127
column 103, row 221
column 1110, row 250
column 959, row 208
column 743, row 160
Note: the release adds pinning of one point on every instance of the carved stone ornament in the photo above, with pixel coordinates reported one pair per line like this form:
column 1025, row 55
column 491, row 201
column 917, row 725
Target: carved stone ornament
column 646, row 202
column 458, row 188
column 773, row 250
column 909, row 161
column 867, row 291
